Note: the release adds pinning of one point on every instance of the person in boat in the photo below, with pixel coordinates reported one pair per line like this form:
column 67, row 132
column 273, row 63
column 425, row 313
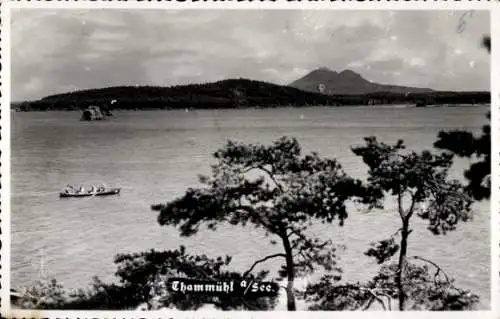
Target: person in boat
column 93, row 189
column 81, row 190
column 69, row 189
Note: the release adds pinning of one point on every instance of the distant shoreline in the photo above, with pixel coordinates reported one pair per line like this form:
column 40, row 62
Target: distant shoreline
column 237, row 94
column 401, row 106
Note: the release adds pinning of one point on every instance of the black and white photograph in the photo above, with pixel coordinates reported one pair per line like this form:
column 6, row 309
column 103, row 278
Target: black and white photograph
column 250, row 160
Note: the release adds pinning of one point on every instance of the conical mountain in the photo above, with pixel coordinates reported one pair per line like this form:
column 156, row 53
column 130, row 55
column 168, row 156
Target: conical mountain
column 324, row 80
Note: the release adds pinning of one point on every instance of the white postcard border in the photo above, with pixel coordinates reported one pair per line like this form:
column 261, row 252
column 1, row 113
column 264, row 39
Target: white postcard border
column 6, row 9
column 495, row 161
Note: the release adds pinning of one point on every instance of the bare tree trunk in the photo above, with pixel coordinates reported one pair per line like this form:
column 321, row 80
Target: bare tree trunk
column 290, row 269
column 401, row 264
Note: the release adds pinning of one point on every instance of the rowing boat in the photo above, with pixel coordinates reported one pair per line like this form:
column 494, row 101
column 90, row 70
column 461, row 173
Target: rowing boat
column 111, row 191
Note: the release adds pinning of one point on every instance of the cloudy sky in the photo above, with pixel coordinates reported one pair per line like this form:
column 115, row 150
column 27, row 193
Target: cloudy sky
column 66, row 50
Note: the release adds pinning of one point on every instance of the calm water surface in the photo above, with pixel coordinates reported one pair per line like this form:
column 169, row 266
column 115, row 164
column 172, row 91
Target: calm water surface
column 154, row 156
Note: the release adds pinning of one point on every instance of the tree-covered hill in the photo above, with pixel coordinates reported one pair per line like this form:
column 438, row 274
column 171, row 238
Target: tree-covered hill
column 232, row 93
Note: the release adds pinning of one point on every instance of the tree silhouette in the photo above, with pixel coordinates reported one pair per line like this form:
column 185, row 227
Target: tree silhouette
column 418, row 182
column 427, row 286
column 486, row 42
column 276, row 189
column 465, row 144
column 142, row 282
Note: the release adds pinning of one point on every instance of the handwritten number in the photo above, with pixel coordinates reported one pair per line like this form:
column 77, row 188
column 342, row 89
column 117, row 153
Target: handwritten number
column 462, row 22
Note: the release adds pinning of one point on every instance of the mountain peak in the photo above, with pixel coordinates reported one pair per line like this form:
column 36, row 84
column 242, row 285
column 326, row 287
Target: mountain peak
column 349, row 72
column 324, row 68
column 324, row 80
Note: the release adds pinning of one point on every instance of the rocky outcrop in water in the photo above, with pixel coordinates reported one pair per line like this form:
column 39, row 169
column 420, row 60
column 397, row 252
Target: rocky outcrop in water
column 92, row 113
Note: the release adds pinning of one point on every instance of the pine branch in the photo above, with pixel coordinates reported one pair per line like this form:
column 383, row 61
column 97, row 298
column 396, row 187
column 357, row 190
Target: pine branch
column 262, row 260
column 438, row 269
column 268, row 173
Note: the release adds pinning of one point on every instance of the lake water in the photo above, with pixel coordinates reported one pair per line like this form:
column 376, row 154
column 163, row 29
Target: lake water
column 154, row 156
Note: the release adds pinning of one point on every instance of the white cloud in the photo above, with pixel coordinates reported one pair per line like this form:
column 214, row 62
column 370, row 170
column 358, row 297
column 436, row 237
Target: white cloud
column 165, row 47
column 355, row 64
column 417, row 62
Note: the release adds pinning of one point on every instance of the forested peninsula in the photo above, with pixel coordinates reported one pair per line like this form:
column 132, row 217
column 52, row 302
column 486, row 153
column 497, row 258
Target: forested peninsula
column 234, row 94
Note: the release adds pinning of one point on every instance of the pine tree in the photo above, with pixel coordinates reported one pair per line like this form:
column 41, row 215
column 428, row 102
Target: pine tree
column 278, row 190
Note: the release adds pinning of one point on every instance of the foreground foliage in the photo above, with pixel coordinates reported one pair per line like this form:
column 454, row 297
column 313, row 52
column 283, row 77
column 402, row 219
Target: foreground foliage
column 465, row 144
column 419, row 184
column 142, row 282
column 425, row 287
column 276, row 189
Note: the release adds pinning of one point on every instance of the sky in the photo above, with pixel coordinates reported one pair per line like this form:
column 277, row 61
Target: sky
column 65, row 50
